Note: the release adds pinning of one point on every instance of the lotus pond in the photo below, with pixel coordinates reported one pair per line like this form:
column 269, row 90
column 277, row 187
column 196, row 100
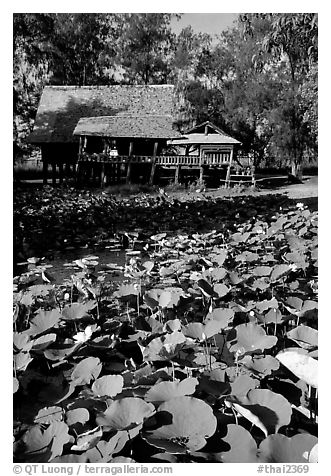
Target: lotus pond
column 189, row 346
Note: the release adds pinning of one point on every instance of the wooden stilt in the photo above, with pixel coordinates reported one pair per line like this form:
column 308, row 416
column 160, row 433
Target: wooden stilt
column 177, row 174
column 151, row 178
column 67, row 169
column 228, row 174
column 45, row 171
column 128, row 170
column 200, row 170
column 53, row 173
column 201, row 174
column 61, row 172
column 118, row 173
column 102, row 175
column 80, row 148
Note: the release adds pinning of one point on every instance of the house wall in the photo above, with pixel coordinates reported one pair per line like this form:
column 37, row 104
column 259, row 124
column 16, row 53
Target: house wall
column 60, row 152
column 140, row 146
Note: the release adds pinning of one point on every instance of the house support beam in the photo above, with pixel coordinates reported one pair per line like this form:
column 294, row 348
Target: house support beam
column 53, row 172
column 45, row 170
column 177, row 174
column 228, row 174
column 102, row 175
column 151, row 178
column 128, row 170
column 200, row 169
column 61, row 172
column 80, row 149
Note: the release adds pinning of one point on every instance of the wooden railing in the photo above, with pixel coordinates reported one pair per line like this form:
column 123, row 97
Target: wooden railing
column 165, row 160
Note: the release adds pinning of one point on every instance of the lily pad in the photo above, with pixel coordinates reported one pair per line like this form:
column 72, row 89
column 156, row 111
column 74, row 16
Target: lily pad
column 301, row 365
column 164, row 391
column 202, row 331
column 249, row 338
column 76, row 310
column 260, row 365
column 222, row 315
column 125, row 414
column 108, row 385
column 281, row 449
column 49, row 414
column 243, row 448
column 43, row 321
column 189, row 421
column 77, row 415
column 267, row 410
column 242, row 385
column 86, row 370
column 87, row 440
column 305, row 336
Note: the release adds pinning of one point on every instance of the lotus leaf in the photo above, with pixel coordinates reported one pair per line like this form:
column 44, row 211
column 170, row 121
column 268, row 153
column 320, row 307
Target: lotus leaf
column 260, row 365
column 77, row 415
column 77, row 310
column 265, row 409
column 305, row 336
column 125, row 414
column 281, row 449
column 189, row 421
column 243, row 447
column 108, row 385
column 86, row 370
column 251, row 337
column 301, row 365
column 87, row 440
column 49, row 414
column 164, row 391
column 222, row 315
column 43, row 321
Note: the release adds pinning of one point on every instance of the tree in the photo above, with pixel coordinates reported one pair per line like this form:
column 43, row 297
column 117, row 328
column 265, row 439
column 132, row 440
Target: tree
column 293, row 38
column 83, row 47
column 146, row 47
column 31, row 69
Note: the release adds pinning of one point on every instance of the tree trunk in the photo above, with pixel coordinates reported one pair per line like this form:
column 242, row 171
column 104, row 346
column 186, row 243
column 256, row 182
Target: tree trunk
column 296, row 170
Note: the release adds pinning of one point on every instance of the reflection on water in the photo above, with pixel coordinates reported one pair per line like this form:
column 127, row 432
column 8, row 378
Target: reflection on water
column 63, row 266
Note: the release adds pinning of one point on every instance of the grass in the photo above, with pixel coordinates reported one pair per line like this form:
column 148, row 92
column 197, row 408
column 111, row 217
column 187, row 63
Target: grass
column 125, row 190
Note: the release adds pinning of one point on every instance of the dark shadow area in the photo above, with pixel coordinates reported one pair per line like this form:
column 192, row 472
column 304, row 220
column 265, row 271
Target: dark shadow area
column 62, row 217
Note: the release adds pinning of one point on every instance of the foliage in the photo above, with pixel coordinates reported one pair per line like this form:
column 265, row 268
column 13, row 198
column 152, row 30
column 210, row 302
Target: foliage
column 292, row 39
column 145, row 48
column 207, row 346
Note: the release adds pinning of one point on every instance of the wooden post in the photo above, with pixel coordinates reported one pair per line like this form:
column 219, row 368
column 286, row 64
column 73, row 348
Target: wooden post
column 151, row 178
column 67, row 170
column 45, row 170
column 53, row 172
column 102, row 175
column 61, row 172
column 80, row 149
column 44, row 159
column 128, row 170
column 227, row 180
column 177, row 174
column 200, row 168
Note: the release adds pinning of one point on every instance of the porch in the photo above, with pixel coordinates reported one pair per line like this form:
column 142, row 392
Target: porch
column 101, row 169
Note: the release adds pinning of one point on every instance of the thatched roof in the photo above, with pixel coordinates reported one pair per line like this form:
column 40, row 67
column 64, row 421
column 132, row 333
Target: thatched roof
column 61, row 107
column 129, row 126
column 205, row 133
